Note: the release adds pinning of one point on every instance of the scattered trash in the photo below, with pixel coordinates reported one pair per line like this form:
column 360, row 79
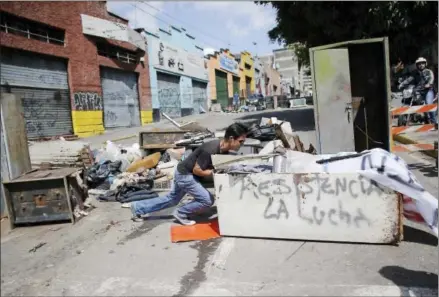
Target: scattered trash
column 35, row 248
column 148, row 162
column 111, row 224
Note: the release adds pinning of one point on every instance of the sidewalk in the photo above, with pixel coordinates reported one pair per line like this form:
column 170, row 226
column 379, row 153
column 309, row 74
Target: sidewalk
column 419, row 138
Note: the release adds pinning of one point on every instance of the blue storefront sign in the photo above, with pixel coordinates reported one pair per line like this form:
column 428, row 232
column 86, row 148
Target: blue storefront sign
column 228, row 64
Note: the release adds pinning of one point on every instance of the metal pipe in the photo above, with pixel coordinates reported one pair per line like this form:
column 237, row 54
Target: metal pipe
column 171, row 120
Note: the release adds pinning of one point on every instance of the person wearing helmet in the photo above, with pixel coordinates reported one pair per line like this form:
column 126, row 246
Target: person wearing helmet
column 424, row 79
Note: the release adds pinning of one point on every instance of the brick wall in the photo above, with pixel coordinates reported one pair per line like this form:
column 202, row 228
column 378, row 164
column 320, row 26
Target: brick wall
column 79, row 49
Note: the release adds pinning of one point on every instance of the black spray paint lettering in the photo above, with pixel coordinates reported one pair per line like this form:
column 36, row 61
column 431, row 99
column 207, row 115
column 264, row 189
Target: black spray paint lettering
column 276, row 214
column 341, row 186
column 367, row 163
column 247, row 185
column 87, row 101
column 281, row 188
column 110, row 116
column 334, row 216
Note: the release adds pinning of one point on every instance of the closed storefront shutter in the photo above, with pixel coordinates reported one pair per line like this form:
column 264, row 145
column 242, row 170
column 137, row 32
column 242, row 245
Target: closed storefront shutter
column 41, row 83
column 248, row 86
column 120, row 97
column 222, row 93
column 47, row 112
column 169, row 94
column 199, row 91
column 235, row 85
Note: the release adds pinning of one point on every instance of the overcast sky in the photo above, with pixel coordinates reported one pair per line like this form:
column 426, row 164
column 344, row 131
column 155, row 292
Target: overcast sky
column 227, row 24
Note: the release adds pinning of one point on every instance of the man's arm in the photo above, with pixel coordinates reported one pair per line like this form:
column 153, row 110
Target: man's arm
column 406, row 82
column 430, row 78
column 204, row 160
column 200, row 172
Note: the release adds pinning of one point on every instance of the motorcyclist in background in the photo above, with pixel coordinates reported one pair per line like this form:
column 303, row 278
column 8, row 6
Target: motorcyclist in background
column 424, row 79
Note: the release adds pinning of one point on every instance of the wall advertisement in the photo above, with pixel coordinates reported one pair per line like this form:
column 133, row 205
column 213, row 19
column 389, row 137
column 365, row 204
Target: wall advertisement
column 228, row 64
column 173, row 59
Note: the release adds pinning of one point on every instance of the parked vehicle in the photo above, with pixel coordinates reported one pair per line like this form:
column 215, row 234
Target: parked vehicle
column 411, row 96
column 258, row 101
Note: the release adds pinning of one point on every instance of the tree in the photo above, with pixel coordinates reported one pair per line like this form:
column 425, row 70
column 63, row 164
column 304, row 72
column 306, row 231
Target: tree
column 409, row 25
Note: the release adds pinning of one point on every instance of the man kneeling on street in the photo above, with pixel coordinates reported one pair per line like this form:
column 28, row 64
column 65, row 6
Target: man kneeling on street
column 186, row 179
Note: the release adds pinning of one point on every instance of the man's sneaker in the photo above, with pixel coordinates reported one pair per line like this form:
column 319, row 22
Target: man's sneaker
column 126, row 205
column 182, row 219
column 136, row 217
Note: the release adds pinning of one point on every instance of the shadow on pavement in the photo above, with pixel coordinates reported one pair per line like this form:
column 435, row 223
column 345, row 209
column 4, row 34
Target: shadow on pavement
column 426, row 169
column 403, row 277
column 300, row 119
column 419, row 236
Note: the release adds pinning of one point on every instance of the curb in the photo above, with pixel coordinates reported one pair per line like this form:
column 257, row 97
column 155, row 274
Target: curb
column 406, row 140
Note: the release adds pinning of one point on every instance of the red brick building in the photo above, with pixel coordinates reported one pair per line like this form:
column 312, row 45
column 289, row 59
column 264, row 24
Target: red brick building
column 71, row 82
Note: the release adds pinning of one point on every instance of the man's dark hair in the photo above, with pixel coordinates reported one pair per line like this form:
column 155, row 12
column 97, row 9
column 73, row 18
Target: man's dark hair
column 235, row 130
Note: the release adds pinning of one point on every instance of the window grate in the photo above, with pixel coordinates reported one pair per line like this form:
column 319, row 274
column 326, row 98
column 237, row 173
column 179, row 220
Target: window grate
column 117, row 53
column 12, row 24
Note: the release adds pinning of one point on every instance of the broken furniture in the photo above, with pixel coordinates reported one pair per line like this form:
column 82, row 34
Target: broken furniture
column 15, row 158
column 161, row 140
column 42, row 196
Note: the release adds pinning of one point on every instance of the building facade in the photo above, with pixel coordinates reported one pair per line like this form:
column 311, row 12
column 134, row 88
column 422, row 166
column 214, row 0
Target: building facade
column 78, row 68
column 293, row 80
column 224, row 77
column 272, row 80
column 246, row 74
column 286, row 63
column 178, row 73
column 260, row 76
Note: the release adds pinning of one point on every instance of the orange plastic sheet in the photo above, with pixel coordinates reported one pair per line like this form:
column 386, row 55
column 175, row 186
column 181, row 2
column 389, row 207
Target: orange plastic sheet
column 202, row 231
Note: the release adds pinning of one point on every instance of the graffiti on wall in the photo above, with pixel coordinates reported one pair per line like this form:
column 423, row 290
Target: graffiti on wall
column 38, row 117
column 307, row 200
column 121, row 108
column 169, row 99
column 87, row 101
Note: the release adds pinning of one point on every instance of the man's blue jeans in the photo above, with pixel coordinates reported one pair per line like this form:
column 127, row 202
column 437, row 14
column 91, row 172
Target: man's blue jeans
column 432, row 115
column 183, row 184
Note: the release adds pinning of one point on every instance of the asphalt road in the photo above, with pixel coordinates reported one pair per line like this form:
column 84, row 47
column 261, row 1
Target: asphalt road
column 107, row 254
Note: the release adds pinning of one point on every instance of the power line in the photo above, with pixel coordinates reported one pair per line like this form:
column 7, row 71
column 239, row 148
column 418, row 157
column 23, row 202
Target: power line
column 172, row 17
column 166, row 22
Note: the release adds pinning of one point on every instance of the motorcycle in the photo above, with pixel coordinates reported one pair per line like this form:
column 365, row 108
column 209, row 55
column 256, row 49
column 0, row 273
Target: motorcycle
column 411, row 96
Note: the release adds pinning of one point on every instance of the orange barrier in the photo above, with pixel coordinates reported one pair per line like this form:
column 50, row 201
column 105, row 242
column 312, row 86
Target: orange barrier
column 201, row 231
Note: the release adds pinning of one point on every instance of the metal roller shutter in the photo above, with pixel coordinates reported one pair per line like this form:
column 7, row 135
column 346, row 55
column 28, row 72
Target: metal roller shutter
column 169, row 94
column 120, row 98
column 248, row 86
column 236, row 85
column 199, row 91
column 222, row 93
column 47, row 112
column 42, row 83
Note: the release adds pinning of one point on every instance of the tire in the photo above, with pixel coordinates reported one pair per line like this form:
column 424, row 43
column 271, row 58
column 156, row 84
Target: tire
column 401, row 120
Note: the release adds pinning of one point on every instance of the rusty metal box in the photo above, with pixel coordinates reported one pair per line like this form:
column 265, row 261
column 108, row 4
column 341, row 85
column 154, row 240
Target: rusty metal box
column 162, row 139
column 40, row 196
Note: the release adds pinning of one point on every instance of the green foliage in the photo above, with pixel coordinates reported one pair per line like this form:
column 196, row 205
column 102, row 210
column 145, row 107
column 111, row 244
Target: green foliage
column 409, row 25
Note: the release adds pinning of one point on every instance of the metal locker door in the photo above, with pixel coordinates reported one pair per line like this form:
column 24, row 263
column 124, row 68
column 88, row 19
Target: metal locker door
column 333, row 106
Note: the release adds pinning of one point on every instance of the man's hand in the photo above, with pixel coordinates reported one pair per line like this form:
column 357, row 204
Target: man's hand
column 427, row 86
